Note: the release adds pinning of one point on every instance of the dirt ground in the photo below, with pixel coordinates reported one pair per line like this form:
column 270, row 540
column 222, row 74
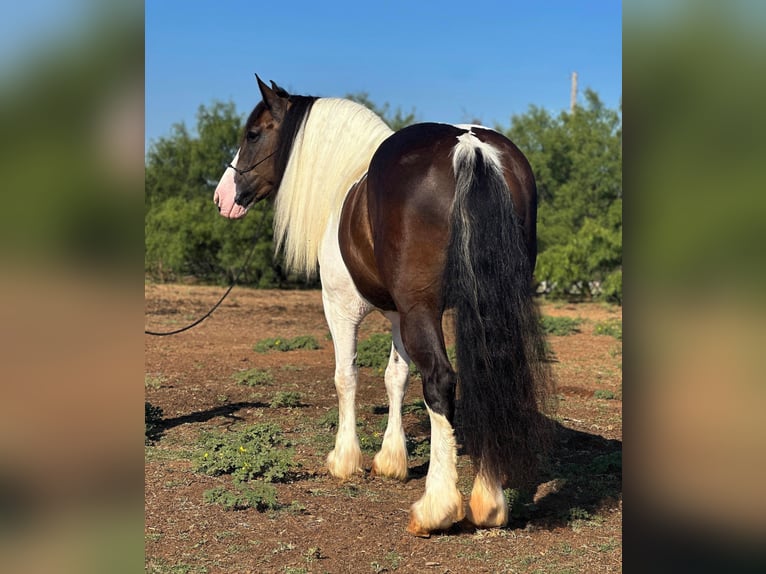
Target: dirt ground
column 572, row 524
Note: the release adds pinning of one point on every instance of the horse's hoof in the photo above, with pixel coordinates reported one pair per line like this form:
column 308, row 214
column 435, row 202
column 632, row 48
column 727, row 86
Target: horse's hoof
column 415, row 528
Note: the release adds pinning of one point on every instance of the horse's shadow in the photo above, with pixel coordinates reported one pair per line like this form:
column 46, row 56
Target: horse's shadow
column 227, row 411
column 580, row 479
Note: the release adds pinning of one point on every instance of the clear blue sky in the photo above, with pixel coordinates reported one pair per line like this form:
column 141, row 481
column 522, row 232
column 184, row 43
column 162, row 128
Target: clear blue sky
column 451, row 61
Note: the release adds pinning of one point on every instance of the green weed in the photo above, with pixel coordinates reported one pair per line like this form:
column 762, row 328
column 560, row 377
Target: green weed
column 257, row 495
column 604, row 394
column 307, row 342
column 374, row 351
column 560, row 326
column 253, row 377
column 286, row 399
column 612, row 328
column 255, row 452
column 329, row 420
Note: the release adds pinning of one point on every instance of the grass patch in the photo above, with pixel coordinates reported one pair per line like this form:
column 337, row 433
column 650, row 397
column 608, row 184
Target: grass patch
column 152, row 419
column 374, row 351
column 255, row 452
column 604, row 394
column 612, row 328
column 329, row 420
column 257, row 495
column 305, row 342
column 560, row 326
column 419, row 405
column 253, row 377
column 286, row 399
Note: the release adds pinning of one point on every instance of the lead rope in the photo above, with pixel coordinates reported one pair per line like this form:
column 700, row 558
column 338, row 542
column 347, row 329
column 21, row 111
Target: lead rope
column 258, row 230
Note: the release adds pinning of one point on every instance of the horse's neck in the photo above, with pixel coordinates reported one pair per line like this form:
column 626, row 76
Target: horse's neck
column 331, row 153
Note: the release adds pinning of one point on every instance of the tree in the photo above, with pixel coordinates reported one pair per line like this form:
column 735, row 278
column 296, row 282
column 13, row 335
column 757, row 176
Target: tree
column 577, row 161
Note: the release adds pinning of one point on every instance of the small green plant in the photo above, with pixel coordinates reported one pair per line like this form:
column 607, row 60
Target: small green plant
column 604, row 394
column 560, row 326
column 255, row 452
column 417, row 406
column 419, row 449
column 329, row 420
column 374, row 351
column 253, row 377
column 370, row 443
column 519, row 501
column 152, row 419
column 612, row 328
column 153, row 381
column 257, row 495
column 286, row 399
column 307, row 342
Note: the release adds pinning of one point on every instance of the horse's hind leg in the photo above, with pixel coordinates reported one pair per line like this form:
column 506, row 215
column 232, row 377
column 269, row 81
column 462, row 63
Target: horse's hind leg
column 487, row 507
column 391, row 461
column 442, row 504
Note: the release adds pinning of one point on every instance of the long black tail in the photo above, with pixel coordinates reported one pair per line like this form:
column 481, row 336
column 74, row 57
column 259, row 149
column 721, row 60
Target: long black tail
column 504, row 381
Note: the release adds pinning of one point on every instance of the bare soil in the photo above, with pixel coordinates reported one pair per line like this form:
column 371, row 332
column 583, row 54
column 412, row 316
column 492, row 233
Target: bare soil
column 572, row 523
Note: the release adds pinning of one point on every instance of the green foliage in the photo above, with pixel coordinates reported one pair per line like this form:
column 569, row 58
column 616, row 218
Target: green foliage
column 613, row 328
column 255, row 452
column 306, row 342
column 604, row 394
column 152, row 419
column 253, row 377
column 374, row 351
column 560, row 326
column 286, row 399
column 257, row 495
column 577, row 162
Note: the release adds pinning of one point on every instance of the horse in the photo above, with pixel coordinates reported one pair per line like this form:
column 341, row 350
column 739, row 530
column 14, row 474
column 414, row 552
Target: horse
column 412, row 223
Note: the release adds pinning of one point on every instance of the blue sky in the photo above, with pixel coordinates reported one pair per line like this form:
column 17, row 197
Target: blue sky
column 449, row 61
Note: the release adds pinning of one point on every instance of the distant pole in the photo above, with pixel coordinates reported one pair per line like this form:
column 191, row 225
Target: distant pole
column 573, row 95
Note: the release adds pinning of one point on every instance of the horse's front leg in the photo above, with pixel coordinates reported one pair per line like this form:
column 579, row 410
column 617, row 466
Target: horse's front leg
column 344, row 309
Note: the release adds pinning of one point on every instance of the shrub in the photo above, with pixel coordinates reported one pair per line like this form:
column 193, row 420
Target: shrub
column 255, row 452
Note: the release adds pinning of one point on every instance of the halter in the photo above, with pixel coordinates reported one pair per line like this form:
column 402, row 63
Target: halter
column 252, row 167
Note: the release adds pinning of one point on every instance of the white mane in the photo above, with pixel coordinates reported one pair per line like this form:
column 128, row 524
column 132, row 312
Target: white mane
column 331, row 152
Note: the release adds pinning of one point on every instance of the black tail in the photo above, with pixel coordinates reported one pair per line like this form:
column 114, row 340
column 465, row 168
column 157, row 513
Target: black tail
column 504, row 380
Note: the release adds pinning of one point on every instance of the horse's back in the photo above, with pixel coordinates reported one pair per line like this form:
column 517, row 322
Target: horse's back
column 395, row 227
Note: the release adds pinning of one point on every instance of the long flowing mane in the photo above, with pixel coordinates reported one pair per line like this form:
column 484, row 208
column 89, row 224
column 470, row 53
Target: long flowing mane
column 331, row 151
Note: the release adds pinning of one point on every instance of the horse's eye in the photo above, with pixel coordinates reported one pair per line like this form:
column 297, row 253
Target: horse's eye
column 252, row 135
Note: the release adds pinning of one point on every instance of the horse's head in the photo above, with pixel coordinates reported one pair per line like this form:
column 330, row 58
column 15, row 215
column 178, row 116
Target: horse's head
column 252, row 174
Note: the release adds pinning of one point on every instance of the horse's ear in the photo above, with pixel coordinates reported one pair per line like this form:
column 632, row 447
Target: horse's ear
column 279, row 90
column 275, row 102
